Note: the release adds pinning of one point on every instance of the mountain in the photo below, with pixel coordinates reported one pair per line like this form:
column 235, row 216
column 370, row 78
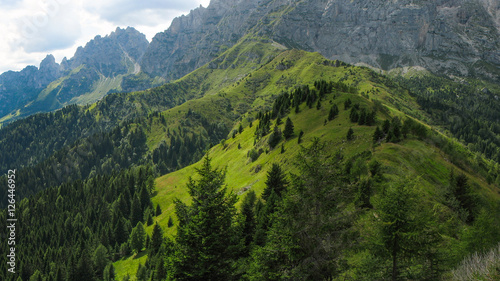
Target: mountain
column 104, row 188
column 259, row 159
column 457, row 38
column 447, row 37
column 102, row 66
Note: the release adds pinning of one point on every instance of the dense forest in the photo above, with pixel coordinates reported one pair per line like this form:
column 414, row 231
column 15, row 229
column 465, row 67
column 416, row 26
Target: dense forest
column 342, row 197
column 74, row 231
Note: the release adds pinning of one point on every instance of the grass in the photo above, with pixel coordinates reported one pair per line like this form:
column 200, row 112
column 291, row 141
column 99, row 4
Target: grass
column 414, row 158
column 129, row 265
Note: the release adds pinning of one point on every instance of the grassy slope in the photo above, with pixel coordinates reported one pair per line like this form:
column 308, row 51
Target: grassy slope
column 410, row 157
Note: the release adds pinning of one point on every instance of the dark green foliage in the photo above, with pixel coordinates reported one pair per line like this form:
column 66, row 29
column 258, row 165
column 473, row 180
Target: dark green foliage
column 253, row 154
column 101, row 260
column 135, row 211
column 386, row 126
column 109, row 272
column 305, row 245
column 137, row 237
column 142, row 273
column 347, row 104
column 205, row 228
column 156, row 239
column 334, row 111
column 406, row 233
column 264, row 213
column 354, row 115
column 248, row 220
column 278, row 121
column 467, row 110
column 301, row 133
column 170, row 222
column 274, row 138
column 363, row 194
column 158, row 210
column 276, row 182
column 377, row 135
column 83, row 233
column 460, row 197
column 84, row 268
column 350, row 134
column 288, row 132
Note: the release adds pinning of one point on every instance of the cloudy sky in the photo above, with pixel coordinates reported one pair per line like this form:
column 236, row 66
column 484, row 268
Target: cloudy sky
column 31, row 29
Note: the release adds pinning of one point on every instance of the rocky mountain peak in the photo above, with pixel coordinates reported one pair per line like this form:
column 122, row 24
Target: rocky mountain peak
column 452, row 37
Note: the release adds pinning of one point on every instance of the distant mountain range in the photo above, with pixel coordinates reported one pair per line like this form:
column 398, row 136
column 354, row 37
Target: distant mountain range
column 459, row 38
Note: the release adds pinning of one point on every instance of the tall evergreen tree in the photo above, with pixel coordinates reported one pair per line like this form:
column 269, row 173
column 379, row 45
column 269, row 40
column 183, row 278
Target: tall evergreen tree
column 334, row 111
column 350, row 134
column 135, row 211
column 158, row 210
column 248, row 222
column 288, row 131
column 156, row 238
column 276, row 181
column 138, row 237
column 109, row 272
column 305, row 238
column 205, row 228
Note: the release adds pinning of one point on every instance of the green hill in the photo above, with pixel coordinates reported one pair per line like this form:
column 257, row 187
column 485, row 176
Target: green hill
column 100, row 163
column 428, row 159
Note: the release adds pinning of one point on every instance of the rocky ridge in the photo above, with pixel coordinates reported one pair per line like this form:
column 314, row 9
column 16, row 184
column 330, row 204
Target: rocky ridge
column 451, row 37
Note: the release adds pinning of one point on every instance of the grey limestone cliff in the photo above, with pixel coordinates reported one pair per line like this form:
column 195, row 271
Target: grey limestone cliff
column 459, row 37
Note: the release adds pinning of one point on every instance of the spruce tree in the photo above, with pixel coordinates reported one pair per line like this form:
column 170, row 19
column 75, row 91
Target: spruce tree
column 135, row 211
column 299, row 139
column 334, row 111
column 158, row 210
column 350, row 134
column 248, row 222
column 156, row 238
column 205, row 228
column 377, row 135
column 137, row 237
column 276, row 181
column 288, row 131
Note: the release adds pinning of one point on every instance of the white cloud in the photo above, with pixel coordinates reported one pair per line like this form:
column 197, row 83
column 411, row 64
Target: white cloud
column 31, row 29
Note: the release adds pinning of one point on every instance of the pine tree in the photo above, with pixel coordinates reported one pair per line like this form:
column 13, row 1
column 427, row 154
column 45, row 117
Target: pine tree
column 100, row 260
column 137, row 237
column 299, row 139
column 142, row 272
column 288, row 131
column 120, row 232
column 84, row 269
column 135, row 211
column 156, row 238
column 334, row 111
column 306, row 244
column 377, row 135
column 386, row 126
column 248, row 222
column 276, row 181
column 350, row 134
column 109, row 272
column 160, row 271
column 402, row 231
column 205, row 228
column 274, row 138
column 158, row 210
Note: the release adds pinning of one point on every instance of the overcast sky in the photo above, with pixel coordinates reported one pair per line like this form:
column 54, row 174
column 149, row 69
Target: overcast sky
column 31, row 29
